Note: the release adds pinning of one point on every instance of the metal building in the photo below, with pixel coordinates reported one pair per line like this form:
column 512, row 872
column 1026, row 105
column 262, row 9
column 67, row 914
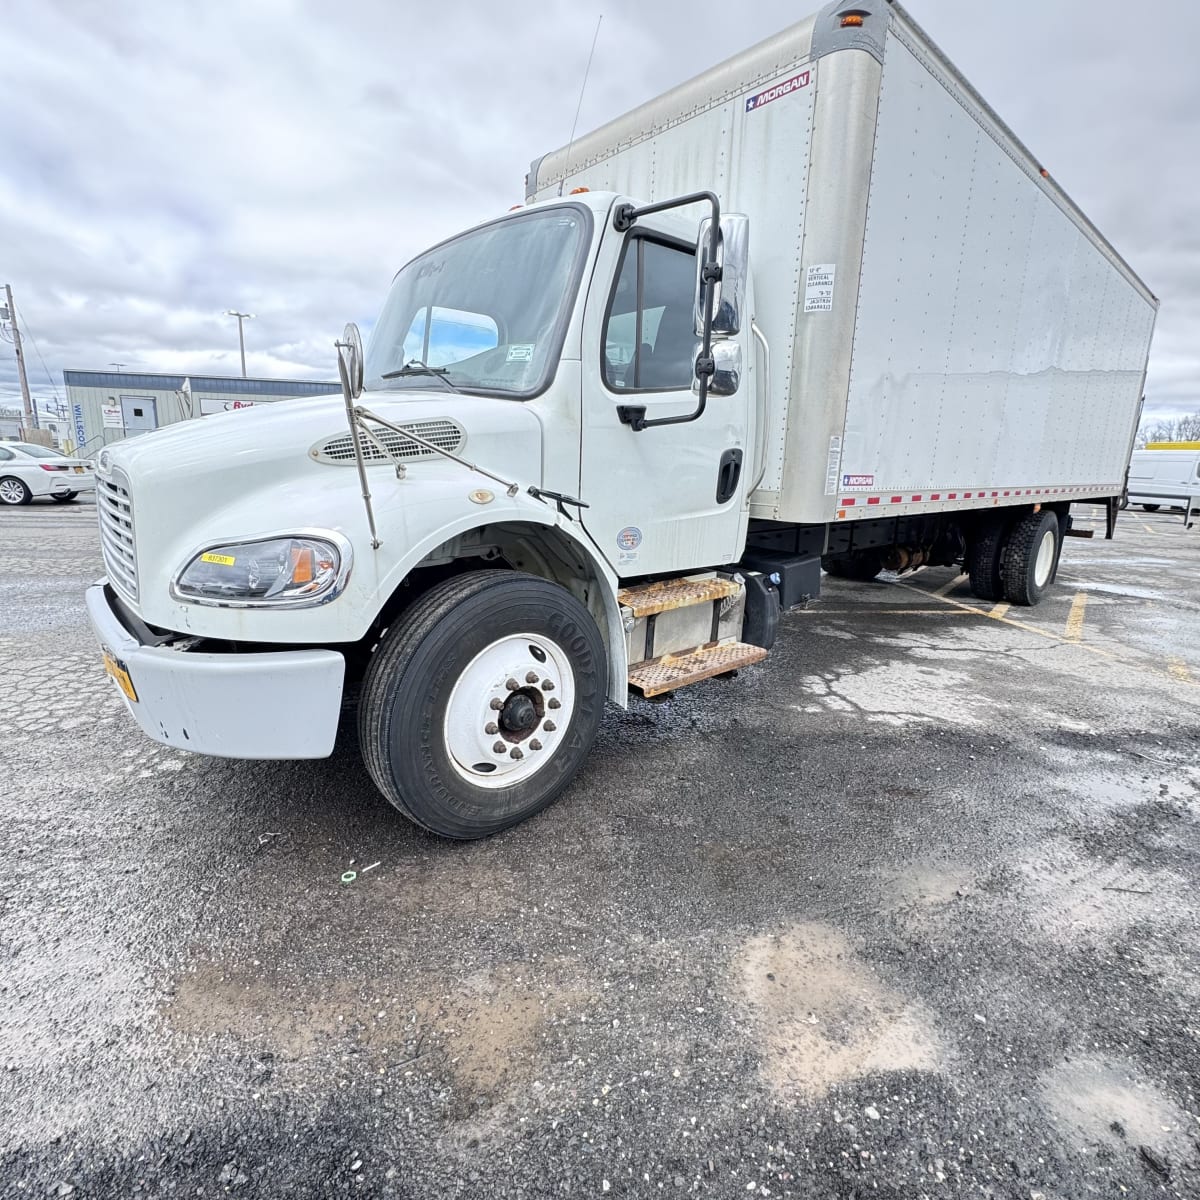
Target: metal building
column 106, row 406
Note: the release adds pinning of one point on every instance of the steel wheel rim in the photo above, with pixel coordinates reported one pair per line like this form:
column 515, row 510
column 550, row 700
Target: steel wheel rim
column 509, row 710
column 11, row 492
column 1044, row 563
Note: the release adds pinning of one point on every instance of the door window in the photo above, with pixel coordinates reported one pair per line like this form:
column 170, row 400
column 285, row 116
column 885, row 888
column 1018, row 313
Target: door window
column 649, row 339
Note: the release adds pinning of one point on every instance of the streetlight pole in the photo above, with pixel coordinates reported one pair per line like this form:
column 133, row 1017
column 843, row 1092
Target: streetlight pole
column 241, row 316
column 118, row 366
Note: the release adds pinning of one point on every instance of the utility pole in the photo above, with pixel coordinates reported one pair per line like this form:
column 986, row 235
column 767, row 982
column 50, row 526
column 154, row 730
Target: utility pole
column 31, row 419
column 241, row 316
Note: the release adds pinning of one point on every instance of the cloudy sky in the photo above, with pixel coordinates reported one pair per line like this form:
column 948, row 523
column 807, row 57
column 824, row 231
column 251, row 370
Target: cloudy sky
column 163, row 162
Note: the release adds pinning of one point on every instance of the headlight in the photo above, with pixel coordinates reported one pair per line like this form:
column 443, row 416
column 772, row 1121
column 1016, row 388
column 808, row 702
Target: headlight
column 290, row 572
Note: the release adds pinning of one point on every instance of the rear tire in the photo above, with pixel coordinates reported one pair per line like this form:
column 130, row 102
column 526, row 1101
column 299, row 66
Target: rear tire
column 1151, row 507
column 861, row 565
column 64, row 497
column 983, row 561
column 1030, row 557
column 14, row 491
column 437, row 697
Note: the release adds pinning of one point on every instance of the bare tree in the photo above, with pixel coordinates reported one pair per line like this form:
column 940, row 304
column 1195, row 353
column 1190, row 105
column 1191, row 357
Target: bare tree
column 1176, row 429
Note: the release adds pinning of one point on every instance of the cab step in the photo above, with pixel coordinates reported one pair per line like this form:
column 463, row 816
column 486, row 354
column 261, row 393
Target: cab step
column 672, row 671
column 650, row 599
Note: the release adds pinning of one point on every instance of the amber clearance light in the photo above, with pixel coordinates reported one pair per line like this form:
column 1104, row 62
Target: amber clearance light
column 852, row 19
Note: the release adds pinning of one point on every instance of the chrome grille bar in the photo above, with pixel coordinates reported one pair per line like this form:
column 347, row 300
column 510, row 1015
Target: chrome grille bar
column 115, row 512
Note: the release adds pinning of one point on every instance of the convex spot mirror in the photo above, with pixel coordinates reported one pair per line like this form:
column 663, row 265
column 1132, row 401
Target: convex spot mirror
column 727, row 377
column 350, row 360
column 733, row 256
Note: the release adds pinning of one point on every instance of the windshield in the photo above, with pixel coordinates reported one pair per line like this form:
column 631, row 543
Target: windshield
column 38, row 451
column 486, row 311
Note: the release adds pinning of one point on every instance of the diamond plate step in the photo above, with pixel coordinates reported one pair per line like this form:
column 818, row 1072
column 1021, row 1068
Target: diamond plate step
column 678, row 670
column 647, row 599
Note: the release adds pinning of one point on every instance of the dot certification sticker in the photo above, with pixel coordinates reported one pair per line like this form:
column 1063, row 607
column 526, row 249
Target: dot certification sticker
column 629, row 539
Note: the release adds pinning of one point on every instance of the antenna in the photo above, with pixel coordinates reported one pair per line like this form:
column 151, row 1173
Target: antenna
column 582, row 88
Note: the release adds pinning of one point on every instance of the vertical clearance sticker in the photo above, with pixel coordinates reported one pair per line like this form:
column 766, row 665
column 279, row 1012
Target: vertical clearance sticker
column 833, row 466
column 818, row 288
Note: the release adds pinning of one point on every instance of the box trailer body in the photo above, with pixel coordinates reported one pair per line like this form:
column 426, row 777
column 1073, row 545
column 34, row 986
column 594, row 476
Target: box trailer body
column 596, row 445
column 946, row 330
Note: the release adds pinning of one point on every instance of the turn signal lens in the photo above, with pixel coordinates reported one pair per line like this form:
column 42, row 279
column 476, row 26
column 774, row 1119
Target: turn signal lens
column 852, row 19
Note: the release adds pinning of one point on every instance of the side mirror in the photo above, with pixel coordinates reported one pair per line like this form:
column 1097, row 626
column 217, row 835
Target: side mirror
column 733, row 256
column 726, row 376
column 350, row 360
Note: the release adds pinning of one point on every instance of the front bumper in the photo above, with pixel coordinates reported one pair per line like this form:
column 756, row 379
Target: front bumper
column 281, row 704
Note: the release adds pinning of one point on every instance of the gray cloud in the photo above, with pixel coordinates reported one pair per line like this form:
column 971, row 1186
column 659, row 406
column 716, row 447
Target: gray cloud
column 285, row 158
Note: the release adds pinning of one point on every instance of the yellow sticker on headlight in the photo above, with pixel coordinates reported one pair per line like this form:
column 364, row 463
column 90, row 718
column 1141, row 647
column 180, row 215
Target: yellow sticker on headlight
column 224, row 560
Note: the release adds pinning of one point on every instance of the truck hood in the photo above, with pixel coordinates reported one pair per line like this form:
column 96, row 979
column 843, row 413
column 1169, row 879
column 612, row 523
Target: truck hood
column 259, row 472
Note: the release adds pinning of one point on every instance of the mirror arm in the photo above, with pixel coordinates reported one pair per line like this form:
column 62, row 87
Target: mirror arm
column 624, row 218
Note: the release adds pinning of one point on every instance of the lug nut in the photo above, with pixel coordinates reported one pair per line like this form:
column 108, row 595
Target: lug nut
column 497, row 704
column 512, row 685
column 548, row 685
column 554, row 704
column 491, row 727
column 549, row 727
column 534, row 744
column 499, row 748
column 531, row 677
column 515, row 752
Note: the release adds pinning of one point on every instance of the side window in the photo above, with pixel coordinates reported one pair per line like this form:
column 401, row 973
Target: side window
column 440, row 336
column 649, row 342
column 6, row 455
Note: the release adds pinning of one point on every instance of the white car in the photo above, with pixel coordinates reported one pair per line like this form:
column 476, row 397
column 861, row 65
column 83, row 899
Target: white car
column 27, row 471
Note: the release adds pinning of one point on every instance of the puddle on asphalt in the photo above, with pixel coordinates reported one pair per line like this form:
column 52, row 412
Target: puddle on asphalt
column 823, row 1016
column 1095, row 1102
column 926, row 886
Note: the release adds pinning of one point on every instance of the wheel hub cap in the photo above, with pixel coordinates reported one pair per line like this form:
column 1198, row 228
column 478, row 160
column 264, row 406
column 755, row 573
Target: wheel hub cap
column 509, row 710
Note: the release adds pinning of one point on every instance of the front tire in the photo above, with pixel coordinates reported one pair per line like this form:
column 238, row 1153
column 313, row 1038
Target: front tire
column 1151, row 507
column 482, row 702
column 1030, row 557
column 14, row 491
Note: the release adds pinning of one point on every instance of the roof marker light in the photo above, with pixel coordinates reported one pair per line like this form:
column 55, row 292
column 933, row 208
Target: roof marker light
column 852, row 19
column 578, row 191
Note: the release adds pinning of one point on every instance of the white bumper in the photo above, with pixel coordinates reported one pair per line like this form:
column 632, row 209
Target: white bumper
column 58, row 483
column 281, row 704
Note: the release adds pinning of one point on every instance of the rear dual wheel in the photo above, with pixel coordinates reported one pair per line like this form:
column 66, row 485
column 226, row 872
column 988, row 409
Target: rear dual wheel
column 1015, row 560
column 482, row 702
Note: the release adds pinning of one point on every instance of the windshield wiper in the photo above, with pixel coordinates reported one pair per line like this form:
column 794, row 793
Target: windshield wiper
column 415, row 366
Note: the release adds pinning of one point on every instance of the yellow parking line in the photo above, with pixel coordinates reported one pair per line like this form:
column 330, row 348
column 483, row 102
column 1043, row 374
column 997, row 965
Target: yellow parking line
column 1146, row 527
column 999, row 610
column 1178, row 669
column 946, row 587
column 1075, row 617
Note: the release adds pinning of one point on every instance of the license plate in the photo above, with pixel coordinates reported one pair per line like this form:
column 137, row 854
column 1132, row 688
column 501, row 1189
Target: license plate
column 116, row 668
column 78, row 470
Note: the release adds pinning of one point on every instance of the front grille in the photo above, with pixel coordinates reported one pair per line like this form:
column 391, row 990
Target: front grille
column 116, row 535
column 442, row 433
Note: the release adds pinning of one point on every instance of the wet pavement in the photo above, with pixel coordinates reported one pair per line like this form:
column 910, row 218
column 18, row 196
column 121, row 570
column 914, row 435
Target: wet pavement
column 910, row 910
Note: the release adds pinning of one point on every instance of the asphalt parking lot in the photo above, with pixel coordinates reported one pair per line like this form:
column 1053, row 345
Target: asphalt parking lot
column 908, row 911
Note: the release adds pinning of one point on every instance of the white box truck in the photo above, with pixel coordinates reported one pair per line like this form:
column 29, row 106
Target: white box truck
column 815, row 307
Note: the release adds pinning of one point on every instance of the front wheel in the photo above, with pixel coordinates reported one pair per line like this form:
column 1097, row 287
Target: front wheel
column 1151, row 507
column 482, row 702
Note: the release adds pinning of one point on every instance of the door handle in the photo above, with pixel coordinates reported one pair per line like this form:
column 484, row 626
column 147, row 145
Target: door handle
column 728, row 475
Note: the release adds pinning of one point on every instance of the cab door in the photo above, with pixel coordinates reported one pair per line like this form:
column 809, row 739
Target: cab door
column 671, row 498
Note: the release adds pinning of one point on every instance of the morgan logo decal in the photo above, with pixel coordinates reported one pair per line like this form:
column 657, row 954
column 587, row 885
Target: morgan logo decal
column 786, row 88
column 858, row 481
